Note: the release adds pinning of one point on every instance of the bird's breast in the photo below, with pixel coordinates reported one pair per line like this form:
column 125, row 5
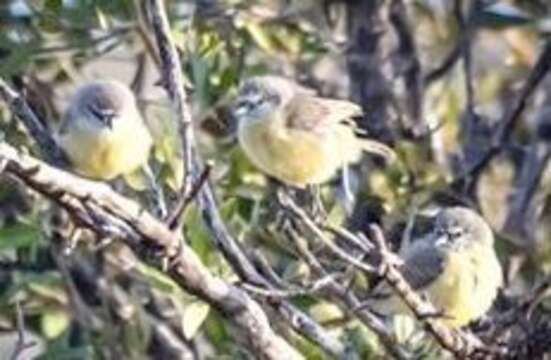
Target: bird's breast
column 294, row 157
column 107, row 153
column 466, row 288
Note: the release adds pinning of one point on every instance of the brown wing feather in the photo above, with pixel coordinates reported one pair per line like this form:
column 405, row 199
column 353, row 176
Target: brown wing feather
column 318, row 114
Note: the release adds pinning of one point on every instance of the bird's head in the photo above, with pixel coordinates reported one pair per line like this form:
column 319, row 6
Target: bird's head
column 257, row 98
column 104, row 102
column 460, row 227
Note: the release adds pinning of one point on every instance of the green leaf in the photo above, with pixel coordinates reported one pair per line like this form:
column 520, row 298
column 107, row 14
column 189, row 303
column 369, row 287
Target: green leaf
column 48, row 286
column 19, row 236
column 200, row 76
column 160, row 280
column 53, row 323
column 262, row 38
column 53, row 5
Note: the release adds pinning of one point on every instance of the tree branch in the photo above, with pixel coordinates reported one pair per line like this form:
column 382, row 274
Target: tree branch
column 455, row 341
column 46, row 142
column 507, row 125
column 173, row 82
column 107, row 213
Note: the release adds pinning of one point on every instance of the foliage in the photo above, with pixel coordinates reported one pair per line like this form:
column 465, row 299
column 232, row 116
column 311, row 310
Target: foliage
column 48, row 46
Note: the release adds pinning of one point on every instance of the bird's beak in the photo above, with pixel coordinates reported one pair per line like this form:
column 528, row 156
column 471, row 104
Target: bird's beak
column 109, row 122
column 441, row 241
column 239, row 111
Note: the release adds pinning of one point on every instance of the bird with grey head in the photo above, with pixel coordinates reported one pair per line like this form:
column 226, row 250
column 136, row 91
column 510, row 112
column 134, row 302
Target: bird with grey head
column 295, row 136
column 455, row 266
column 103, row 133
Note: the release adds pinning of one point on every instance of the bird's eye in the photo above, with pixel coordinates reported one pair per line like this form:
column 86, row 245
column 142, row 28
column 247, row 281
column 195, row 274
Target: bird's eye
column 257, row 101
column 454, row 232
column 105, row 116
column 96, row 112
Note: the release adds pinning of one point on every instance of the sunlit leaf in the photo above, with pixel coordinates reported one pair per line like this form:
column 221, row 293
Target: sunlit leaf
column 194, row 315
column 324, row 312
column 160, row 280
column 47, row 286
column 260, row 36
column 54, row 322
column 102, row 19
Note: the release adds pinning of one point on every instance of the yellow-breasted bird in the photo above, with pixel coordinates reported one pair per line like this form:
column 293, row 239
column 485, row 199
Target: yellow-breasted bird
column 103, row 133
column 455, row 266
column 296, row 137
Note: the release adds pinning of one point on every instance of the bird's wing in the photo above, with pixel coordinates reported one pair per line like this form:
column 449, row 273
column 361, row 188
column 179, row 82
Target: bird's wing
column 64, row 125
column 316, row 114
column 422, row 265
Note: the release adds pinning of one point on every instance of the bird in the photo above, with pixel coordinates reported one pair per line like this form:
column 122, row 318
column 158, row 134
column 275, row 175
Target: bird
column 295, row 136
column 455, row 266
column 103, row 133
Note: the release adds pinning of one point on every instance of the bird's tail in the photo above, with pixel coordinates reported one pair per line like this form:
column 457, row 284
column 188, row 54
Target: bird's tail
column 378, row 148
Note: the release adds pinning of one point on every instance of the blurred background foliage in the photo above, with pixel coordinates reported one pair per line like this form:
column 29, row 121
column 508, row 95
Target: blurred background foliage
column 437, row 101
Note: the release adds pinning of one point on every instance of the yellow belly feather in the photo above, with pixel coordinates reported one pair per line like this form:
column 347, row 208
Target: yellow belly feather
column 297, row 157
column 108, row 154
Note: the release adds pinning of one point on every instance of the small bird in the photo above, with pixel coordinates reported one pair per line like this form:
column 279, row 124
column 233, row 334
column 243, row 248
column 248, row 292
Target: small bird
column 296, row 137
column 455, row 266
column 103, row 133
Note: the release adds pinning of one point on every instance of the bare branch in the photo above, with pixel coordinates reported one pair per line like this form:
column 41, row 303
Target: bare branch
column 349, row 302
column 47, row 144
column 455, row 341
column 408, row 65
column 173, row 81
column 507, row 125
column 107, row 213
column 452, row 340
column 184, row 200
column 22, row 344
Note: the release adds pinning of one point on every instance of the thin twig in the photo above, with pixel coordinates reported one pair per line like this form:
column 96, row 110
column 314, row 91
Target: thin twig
column 21, row 344
column 95, row 206
column 349, row 302
column 288, row 203
column 156, row 193
column 449, row 61
column 173, row 81
column 47, row 143
column 455, row 341
column 506, row 127
column 409, row 66
column 315, row 287
column 452, row 340
column 184, row 200
column 465, row 27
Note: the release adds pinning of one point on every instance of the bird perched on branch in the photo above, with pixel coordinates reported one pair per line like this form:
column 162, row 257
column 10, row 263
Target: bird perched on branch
column 104, row 137
column 296, row 137
column 455, row 266
column 103, row 132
